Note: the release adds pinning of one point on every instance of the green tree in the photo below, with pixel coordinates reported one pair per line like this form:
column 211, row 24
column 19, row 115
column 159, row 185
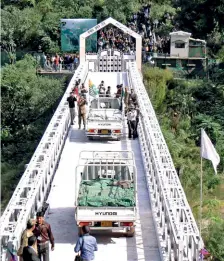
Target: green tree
column 19, row 27
column 220, row 54
column 120, row 11
column 27, row 103
column 155, row 81
column 215, row 240
column 200, row 105
column 29, row 95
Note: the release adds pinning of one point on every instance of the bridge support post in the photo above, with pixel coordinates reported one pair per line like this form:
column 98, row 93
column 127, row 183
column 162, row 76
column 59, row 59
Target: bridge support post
column 82, row 53
column 139, row 53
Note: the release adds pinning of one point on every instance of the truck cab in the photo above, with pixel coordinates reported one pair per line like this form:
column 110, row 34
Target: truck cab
column 105, row 118
column 106, row 191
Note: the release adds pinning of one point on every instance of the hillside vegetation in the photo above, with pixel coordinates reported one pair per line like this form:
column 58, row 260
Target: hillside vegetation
column 28, row 102
column 183, row 108
column 27, row 24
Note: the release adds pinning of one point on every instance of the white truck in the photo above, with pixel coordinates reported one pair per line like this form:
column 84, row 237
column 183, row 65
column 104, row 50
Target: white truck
column 106, row 191
column 105, row 118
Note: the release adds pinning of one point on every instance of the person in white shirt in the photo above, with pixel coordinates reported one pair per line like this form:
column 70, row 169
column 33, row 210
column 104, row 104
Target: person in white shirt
column 131, row 117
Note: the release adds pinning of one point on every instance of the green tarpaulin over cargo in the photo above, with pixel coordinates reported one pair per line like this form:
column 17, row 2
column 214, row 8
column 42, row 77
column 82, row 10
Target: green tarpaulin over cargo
column 104, row 192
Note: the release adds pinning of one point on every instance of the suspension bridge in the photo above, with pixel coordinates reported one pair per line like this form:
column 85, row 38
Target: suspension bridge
column 165, row 228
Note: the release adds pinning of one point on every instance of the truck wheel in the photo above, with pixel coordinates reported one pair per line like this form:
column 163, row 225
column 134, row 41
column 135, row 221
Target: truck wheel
column 90, row 138
column 118, row 138
column 131, row 232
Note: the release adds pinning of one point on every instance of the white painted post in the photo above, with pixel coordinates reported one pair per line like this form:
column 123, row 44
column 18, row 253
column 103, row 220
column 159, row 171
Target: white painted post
column 138, row 54
column 82, row 48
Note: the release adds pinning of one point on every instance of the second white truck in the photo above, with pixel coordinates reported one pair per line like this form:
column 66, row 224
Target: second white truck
column 105, row 118
column 106, row 191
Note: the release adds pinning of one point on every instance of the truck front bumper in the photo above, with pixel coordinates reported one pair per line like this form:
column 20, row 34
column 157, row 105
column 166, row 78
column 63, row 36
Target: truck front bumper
column 113, row 229
column 108, row 136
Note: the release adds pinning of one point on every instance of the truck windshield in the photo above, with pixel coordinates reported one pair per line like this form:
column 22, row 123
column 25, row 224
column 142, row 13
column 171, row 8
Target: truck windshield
column 106, row 170
column 105, row 115
column 105, row 103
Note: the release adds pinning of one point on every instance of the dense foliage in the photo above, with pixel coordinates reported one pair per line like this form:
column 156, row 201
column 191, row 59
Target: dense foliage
column 28, row 24
column 27, row 103
column 183, row 108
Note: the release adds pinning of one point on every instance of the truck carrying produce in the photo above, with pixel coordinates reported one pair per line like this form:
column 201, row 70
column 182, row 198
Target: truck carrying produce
column 106, row 190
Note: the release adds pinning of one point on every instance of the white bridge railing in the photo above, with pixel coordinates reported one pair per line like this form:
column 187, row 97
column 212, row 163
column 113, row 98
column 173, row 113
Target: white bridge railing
column 35, row 184
column 177, row 230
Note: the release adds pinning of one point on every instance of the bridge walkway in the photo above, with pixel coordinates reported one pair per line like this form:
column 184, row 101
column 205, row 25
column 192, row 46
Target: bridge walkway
column 111, row 246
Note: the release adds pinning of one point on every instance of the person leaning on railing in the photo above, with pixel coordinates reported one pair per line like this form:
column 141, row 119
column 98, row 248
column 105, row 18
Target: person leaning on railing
column 28, row 232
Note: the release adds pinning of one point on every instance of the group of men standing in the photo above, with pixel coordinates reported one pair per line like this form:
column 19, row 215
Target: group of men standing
column 107, row 93
column 35, row 239
column 81, row 102
column 132, row 111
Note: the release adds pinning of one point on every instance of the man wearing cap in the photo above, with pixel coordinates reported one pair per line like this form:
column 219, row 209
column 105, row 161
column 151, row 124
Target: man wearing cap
column 86, row 244
column 44, row 234
column 82, row 111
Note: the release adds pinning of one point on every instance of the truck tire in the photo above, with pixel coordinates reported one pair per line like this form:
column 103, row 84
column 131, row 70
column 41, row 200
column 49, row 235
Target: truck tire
column 131, row 232
column 118, row 138
column 90, row 138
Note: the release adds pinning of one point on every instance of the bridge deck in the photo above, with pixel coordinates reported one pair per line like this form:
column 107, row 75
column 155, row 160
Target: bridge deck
column 144, row 246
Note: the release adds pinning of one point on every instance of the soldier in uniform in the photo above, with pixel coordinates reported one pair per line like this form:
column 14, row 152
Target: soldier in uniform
column 82, row 111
